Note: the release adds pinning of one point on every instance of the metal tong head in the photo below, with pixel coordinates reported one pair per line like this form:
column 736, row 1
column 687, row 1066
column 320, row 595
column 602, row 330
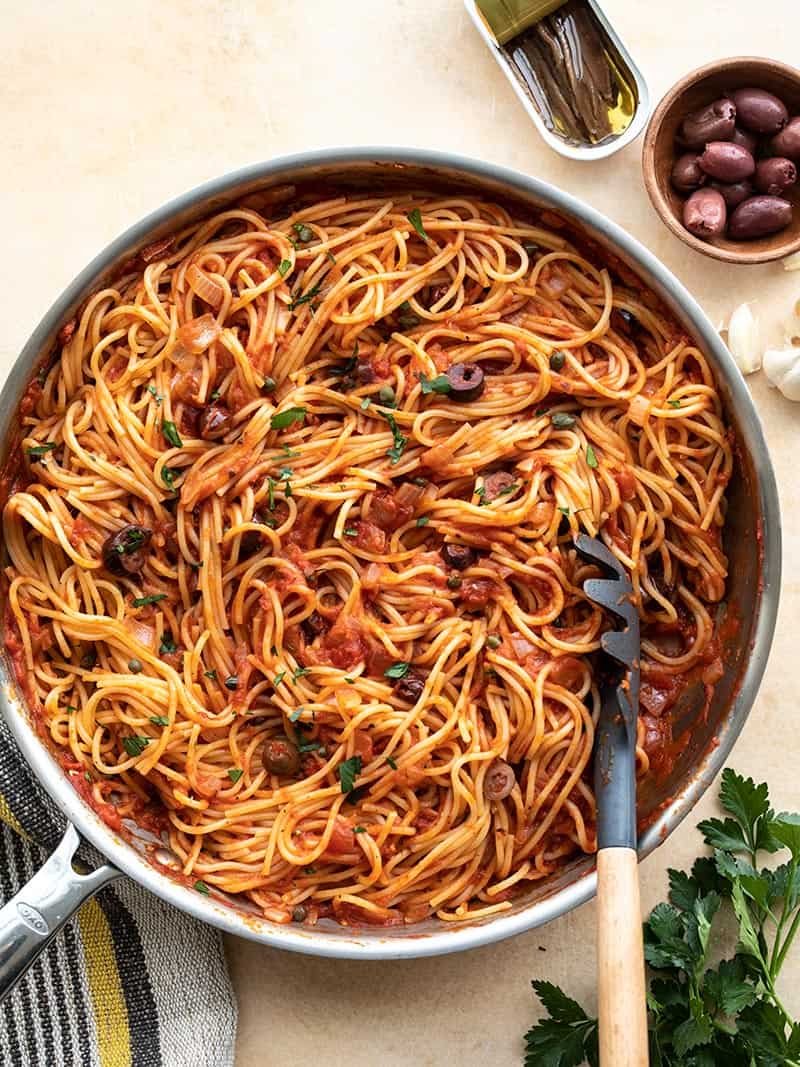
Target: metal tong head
column 615, row 594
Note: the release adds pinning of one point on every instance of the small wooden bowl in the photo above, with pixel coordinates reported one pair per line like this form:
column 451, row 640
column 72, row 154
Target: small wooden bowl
column 659, row 152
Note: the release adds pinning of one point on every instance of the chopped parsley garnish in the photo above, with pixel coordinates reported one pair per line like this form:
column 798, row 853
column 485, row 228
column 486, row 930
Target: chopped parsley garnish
column 70, row 708
column 288, row 452
column 201, row 887
column 406, row 318
column 231, row 681
column 564, row 511
column 415, row 218
column 276, row 681
column 454, row 582
column 215, row 395
column 348, row 366
column 306, row 298
column 210, row 674
column 331, row 257
column 155, row 393
column 397, row 670
column 348, row 772
column 591, row 458
column 135, row 746
column 350, row 681
column 284, row 267
column 168, row 475
column 41, row 450
column 311, row 746
column 159, row 720
column 423, row 520
column 562, row 421
column 170, row 432
column 350, row 531
column 151, row 598
column 285, row 418
column 365, row 403
column 392, row 763
column 295, row 715
column 235, row 773
column 309, row 870
column 674, row 403
column 439, row 384
column 399, row 446
column 300, row 672
column 270, row 494
column 507, row 490
column 360, row 830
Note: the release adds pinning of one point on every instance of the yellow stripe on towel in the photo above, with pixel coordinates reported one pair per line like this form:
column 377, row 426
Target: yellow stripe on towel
column 7, row 815
column 110, row 1011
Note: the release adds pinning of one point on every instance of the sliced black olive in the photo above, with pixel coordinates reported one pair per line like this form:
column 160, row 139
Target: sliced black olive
column 411, row 687
column 466, row 381
column 280, row 756
column 458, row 556
column 125, row 551
column 214, row 422
column 499, row 781
column 313, row 626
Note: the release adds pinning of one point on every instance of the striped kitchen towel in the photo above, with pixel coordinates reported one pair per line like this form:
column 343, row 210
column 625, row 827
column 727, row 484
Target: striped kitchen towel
column 119, row 987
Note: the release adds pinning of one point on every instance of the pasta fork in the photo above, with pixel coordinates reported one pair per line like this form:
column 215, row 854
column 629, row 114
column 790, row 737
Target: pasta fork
column 622, row 1011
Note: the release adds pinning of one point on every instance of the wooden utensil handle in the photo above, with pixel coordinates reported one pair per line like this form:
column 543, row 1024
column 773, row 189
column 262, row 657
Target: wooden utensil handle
column 620, row 961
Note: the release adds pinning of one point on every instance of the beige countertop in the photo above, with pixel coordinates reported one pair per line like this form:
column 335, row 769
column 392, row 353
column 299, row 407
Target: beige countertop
column 110, row 108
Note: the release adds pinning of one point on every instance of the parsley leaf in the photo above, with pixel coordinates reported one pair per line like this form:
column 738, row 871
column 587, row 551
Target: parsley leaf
column 306, row 298
column 135, row 746
column 285, row 418
column 565, row 1039
column 415, row 218
column 151, row 598
column 397, row 670
column 235, row 773
column 170, row 432
column 155, row 394
column 201, row 887
column 399, row 446
column 40, row 450
column 159, row 720
column 348, row 771
column 439, row 384
column 284, row 267
column 591, row 458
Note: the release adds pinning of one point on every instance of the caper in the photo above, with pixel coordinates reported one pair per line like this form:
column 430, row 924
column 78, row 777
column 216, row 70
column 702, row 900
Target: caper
column 135, row 666
column 557, row 360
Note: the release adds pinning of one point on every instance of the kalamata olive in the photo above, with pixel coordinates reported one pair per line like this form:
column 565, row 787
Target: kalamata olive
column 497, row 484
column 411, row 687
column 775, row 175
column 280, row 756
column 758, row 217
column 787, row 142
column 466, row 381
column 365, row 372
column 687, row 174
column 125, row 551
column 759, row 111
column 499, row 781
column 715, row 122
column 745, row 139
column 214, row 422
column 727, row 162
column 458, row 556
column 704, row 214
column 733, row 193
column 313, row 626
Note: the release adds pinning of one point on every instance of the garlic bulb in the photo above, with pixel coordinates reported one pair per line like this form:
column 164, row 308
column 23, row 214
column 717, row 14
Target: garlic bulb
column 782, row 368
column 743, row 339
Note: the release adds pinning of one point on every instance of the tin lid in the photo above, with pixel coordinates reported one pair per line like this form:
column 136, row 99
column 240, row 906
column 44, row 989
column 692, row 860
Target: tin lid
column 507, row 18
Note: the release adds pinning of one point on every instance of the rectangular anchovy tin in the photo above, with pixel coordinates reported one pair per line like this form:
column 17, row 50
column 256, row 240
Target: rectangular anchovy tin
column 501, row 23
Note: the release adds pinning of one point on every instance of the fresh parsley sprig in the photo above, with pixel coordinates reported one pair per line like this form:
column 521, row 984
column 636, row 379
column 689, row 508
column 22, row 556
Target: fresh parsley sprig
column 701, row 1013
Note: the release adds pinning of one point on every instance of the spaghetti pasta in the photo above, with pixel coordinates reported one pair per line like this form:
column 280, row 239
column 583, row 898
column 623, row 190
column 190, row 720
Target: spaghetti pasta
column 291, row 576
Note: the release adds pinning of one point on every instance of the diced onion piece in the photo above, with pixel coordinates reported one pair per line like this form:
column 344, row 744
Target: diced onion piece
column 782, row 368
column 140, row 631
column 638, row 409
column 197, row 334
column 743, row 339
column 206, row 288
column 792, row 262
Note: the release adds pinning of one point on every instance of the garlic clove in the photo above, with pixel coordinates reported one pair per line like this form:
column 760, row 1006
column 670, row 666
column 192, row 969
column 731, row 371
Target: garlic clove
column 782, row 368
column 743, row 339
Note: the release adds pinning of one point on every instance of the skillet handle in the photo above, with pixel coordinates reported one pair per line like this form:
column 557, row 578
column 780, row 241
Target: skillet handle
column 30, row 920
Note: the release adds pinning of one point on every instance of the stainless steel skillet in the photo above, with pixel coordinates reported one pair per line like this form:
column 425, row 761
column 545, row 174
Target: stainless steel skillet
column 753, row 543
